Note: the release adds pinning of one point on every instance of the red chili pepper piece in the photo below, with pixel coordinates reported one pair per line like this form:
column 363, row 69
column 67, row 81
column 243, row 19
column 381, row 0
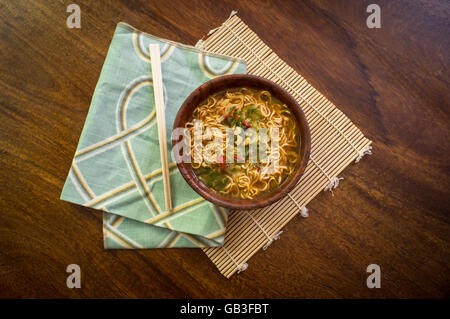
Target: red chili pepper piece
column 227, row 119
column 222, row 163
column 222, row 159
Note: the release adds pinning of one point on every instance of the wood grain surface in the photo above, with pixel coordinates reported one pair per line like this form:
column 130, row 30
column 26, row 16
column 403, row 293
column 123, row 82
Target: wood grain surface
column 392, row 209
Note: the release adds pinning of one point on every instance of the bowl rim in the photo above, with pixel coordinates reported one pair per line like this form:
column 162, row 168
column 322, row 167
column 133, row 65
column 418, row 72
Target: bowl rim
column 186, row 169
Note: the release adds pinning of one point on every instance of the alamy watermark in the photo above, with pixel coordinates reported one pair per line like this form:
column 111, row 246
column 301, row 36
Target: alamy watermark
column 374, row 19
column 74, row 19
column 374, row 279
column 74, row 279
column 236, row 145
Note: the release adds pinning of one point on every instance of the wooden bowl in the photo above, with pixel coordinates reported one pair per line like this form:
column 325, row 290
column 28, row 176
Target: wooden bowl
column 236, row 81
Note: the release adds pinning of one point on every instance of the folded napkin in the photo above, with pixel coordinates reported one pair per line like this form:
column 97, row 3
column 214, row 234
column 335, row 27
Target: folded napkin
column 117, row 166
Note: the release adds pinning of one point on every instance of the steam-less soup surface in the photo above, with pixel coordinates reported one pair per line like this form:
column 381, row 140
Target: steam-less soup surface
column 256, row 166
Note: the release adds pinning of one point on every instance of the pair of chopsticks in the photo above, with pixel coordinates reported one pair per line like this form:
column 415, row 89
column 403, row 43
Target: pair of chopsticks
column 161, row 120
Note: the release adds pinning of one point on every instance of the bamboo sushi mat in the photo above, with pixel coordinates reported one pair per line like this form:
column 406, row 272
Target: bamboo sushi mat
column 335, row 143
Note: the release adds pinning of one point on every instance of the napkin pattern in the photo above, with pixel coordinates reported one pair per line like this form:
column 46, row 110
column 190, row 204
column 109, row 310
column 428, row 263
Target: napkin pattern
column 117, row 167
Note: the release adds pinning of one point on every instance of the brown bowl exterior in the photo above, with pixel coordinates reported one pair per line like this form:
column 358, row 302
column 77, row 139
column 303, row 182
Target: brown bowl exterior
column 251, row 81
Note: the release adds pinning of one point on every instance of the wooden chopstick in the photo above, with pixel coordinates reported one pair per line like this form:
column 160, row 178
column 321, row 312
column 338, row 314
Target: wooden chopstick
column 161, row 120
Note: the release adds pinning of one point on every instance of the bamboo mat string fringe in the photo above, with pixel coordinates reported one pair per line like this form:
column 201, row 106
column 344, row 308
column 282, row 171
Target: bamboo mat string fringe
column 335, row 143
column 334, row 182
column 271, row 239
column 367, row 150
column 239, row 267
column 303, row 210
column 200, row 43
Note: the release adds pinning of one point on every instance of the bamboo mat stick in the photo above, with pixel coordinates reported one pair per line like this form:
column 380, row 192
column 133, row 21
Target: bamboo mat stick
column 161, row 119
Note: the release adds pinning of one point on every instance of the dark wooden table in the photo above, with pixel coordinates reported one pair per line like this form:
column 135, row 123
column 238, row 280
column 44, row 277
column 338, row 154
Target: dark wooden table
column 392, row 209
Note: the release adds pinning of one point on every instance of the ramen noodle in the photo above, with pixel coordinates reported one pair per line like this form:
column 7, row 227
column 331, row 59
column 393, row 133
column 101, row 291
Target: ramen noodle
column 241, row 165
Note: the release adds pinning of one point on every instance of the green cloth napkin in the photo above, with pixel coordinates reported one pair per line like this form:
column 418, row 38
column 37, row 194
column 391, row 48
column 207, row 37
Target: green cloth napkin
column 117, row 166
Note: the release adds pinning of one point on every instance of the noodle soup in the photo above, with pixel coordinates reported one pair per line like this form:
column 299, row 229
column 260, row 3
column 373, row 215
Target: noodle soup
column 245, row 142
